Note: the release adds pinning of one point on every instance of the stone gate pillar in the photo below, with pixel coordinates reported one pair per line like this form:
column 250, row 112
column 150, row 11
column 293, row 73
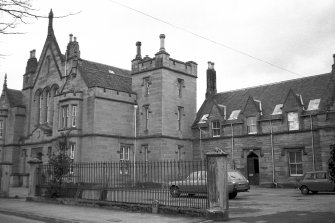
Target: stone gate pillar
column 33, row 164
column 217, row 183
column 6, row 168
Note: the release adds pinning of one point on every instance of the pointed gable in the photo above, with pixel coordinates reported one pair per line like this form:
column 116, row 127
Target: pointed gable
column 251, row 108
column 293, row 101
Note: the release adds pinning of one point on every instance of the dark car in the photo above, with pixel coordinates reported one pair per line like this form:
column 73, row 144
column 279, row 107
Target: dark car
column 316, row 181
column 196, row 183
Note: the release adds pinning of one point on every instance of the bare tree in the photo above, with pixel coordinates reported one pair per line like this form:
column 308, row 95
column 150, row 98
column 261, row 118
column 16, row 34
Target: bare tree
column 14, row 12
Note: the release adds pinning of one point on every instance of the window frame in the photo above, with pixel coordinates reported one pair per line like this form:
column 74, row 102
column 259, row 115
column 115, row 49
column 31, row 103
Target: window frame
column 146, row 83
column 216, row 130
column 124, row 161
column 146, row 116
column 74, row 115
column 295, row 126
column 64, row 116
column 179, row 152
column 295, row 163
column 179, row 116
column 180, row 87
column 1, row 129
column 40, row 107
column 252, row 125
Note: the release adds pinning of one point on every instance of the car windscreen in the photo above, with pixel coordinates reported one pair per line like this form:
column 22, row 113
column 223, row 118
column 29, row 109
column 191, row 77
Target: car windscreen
column 236, row 176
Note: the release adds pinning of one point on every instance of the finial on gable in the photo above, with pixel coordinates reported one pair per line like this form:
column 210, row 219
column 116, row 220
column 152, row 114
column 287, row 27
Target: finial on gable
column 50, row 28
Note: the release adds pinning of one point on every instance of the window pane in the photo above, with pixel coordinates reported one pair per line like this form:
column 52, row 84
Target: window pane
column 299, row 169
column 293, row 169
column 298, row 156
column 292, row 157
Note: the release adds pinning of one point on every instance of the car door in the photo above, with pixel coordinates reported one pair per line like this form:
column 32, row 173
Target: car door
column 323, row 184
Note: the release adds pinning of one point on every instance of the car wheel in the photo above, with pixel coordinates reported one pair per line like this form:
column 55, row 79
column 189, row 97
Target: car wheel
column 174, row 191
column 232, row 195
column 304, row 190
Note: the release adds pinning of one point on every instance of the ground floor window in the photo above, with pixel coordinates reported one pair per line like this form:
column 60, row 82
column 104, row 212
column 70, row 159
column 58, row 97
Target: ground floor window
column 124, row 159
column 295, row 163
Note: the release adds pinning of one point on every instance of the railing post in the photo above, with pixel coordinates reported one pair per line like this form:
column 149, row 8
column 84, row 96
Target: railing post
column 33, row 164
column 6, row 168
column 217, row 183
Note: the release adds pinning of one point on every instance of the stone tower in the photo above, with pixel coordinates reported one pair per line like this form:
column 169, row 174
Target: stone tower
column 166, row 97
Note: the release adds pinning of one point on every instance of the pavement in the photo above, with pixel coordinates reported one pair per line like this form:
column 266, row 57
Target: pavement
column 260, row 205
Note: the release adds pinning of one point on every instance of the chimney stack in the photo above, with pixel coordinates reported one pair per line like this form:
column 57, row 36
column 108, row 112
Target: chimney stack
column 138, row 54
column 70, row 38
column 211, row 80
column 32, row 62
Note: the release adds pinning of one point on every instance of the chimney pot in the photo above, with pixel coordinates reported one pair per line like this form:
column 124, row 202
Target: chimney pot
column 209, row 65
column 162, row 37
column 32, row 53
column 71, row 37
column 212, row 65
column 75, row 39
column 138, row 54
column 334, row 58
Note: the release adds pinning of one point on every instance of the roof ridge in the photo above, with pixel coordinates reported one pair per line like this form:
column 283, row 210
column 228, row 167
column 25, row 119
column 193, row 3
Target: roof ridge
column 275, row 83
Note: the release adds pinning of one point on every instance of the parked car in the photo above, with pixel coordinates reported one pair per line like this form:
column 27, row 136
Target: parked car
column 196, row 183
column 316, row 181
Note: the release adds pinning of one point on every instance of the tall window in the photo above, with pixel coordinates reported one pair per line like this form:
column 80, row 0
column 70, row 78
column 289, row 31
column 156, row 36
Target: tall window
column 293, row 121
column 1, row 128
column 295, row 163
column 146, row 83
column 145, row 149
column 251, row 125
column 65, row 116
column 72, row 152
column 146, row 115
column 47, row 110
column 74, row 116
column 179, row 117
column 179, row 152
column 40, row 102
column 180, row 87
column 216, row 130
column 124, row 159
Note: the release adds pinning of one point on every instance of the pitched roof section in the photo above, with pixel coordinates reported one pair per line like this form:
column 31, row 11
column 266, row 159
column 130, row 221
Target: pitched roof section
column 270, row 95
column 15, row 98
column 105, row 76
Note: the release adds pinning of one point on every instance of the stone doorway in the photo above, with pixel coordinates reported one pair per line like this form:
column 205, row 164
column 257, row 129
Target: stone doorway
column 253, row 168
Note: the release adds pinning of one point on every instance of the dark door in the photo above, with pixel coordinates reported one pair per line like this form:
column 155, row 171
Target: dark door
column 253, row 168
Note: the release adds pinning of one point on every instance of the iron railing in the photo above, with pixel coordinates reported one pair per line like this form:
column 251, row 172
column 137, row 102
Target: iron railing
column 170, row 183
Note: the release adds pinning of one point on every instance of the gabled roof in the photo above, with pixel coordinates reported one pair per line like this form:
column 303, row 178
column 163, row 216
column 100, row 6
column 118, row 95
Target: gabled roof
column 313, row 87
column 105, row 76
column 15, row 97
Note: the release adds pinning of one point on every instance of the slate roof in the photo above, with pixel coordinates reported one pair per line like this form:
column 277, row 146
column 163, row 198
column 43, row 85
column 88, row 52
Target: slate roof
column 15, row 97
column 313, row 87
column 105, row 76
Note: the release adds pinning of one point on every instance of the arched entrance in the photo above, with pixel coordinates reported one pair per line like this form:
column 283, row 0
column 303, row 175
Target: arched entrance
column 253, row 168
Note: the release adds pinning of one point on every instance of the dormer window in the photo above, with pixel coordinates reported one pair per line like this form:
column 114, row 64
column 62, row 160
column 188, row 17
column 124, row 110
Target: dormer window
column 313, row 104
column 252, row 125
column 216, row 130
column 293, row 121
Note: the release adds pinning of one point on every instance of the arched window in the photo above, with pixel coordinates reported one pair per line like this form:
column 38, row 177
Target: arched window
column 47, row 107
column 40, row 102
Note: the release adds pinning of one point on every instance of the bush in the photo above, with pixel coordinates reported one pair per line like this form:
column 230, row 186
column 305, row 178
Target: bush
column 331, row 163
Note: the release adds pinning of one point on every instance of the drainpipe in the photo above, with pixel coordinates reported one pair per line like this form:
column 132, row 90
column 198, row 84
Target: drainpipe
column 135, row 148
column 232, row 145
column 312, row 136
column 272, row 156
column 200, row 144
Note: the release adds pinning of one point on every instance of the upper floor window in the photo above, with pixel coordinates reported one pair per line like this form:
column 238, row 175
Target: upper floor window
column 295, row 163
column 179, row 117
column 180, row 87
column 293, row 121
column 146, row 83
column 216, row 130
column 1, row 128
column 47, row 110
column 251, row 125
column 40, row 102
column 146, row 115
column 74, row 116
column 72, row 151
column 65, row 116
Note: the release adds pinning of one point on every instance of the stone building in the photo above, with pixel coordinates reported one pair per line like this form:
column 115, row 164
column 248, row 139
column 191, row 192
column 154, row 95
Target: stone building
column 273, row 133
column 110, row 114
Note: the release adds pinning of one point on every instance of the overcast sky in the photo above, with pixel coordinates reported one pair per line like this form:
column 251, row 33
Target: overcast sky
column 296, row 35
